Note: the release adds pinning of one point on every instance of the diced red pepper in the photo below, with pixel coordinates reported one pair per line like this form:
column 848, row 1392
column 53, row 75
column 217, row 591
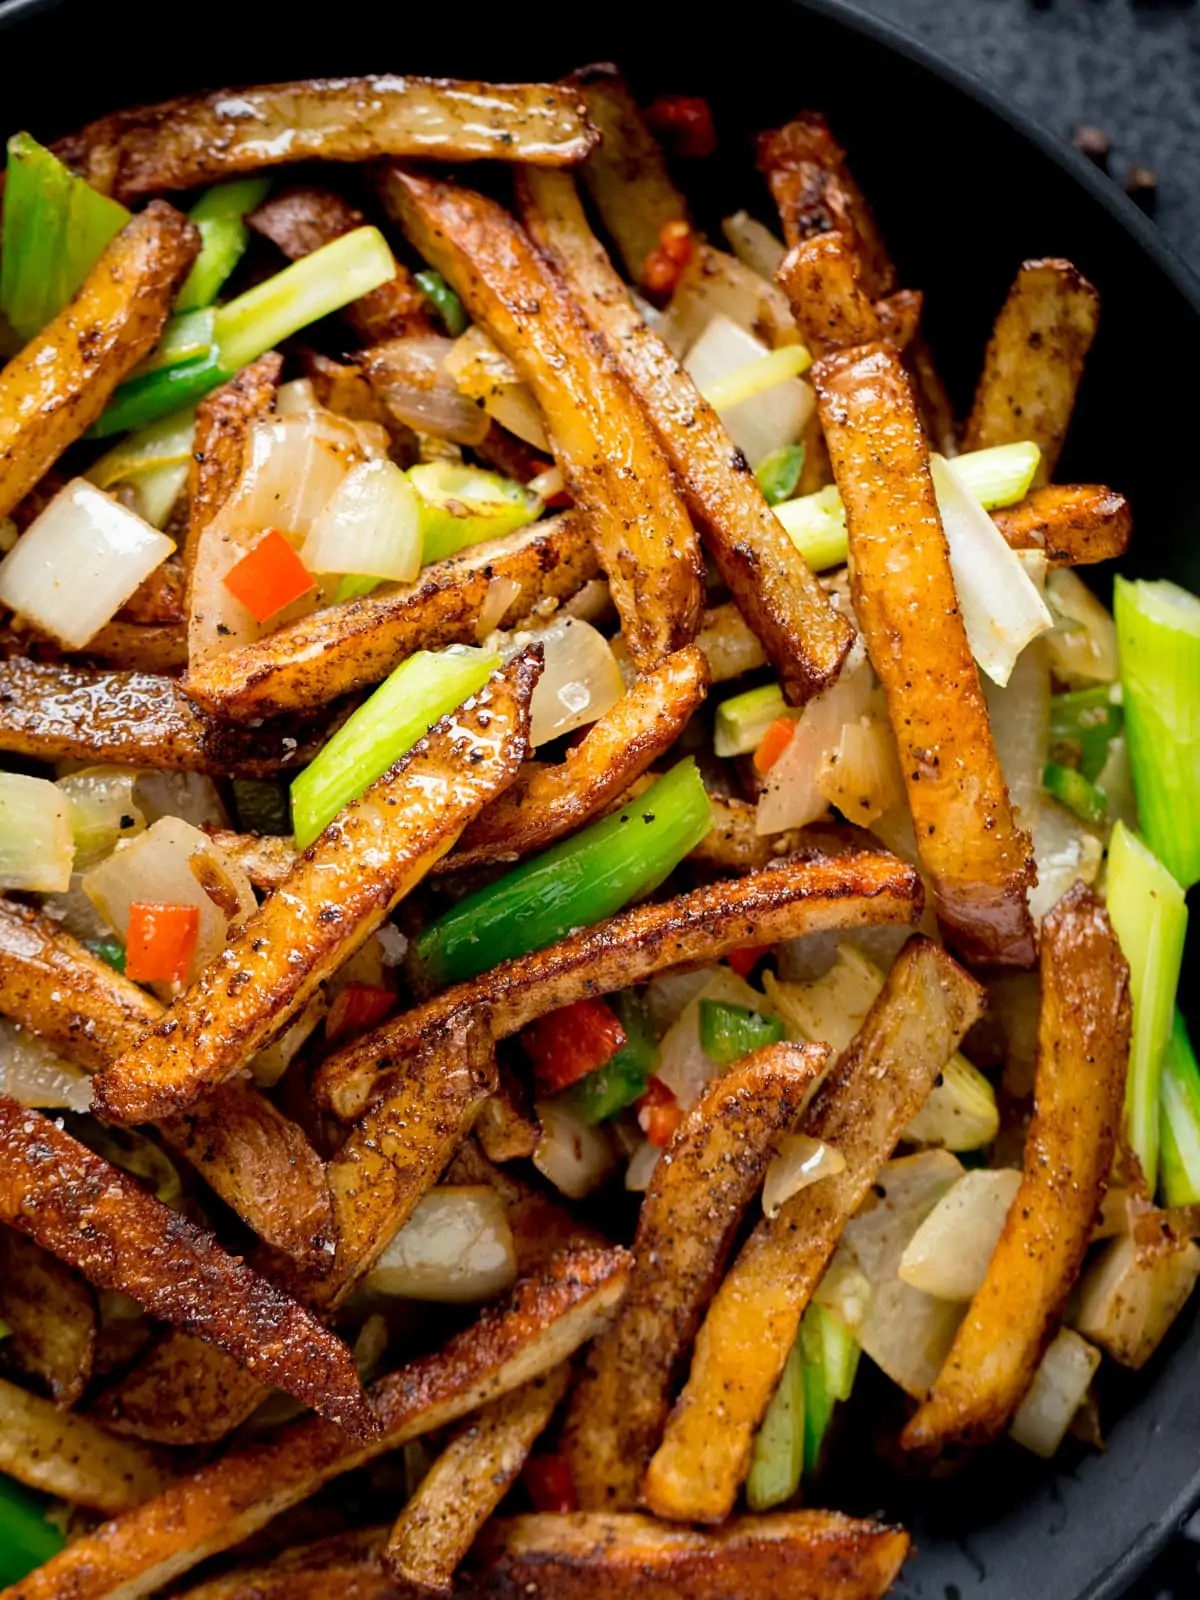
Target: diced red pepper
column 684, row 123
column 548, row 1481
column 161, row 941
column 743, row 961
column 568, row 1044
column 659, row 1113
column 357, row 1008
column 663, row 267
column 269, row 577
column 773, row 743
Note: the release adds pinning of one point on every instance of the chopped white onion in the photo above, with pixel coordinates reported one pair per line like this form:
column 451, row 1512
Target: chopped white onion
column 791, row 796
column 1083, row 645
column 754, row 245
column 1019, row 714
column 102, row 811
column 31, row 1072
column 36, row 845
column 580, row 678
column 575, row 1158
column 296, row 399
column 457, row 1247
column 190, row 795
column 1000, row 604
column 642, row 1166
column 949, row 1253
column 501, row 593
column 547, row 484
column 844, row 1290
column 683, row 1064
column 1126, row 1304
column 1056, row 1393
column 775, row 417
column 1066, row 852
column 370, row 525
column 412, row 381
column 77, row 563
column 484, row 375
column 717, row 284
column 862, row 776
column 801, row 1160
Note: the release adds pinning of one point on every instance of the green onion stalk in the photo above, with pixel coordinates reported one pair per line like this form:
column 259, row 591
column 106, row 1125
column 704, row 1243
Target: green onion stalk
column 1180, row 1126
column 220, row 215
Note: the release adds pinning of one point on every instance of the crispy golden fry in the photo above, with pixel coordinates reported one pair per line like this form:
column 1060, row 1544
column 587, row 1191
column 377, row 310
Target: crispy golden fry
column 730, row 644
column 158, row 598
column 92, row 1216
column 341, row 648
column 603, row 442
column 302, row 219
column 505, row 1127
column 820, row 279
column 197, row 139
column 735, row 844
column 861, row 1108
column 1034, row 361
column 159, row 648
column 782, row 902
column 625, row 173
column 685, row 1231
column 978, row 858
column 338, row 893
column 1076, row 524
column 60, row 383
column 265, row 858
column 67, row 1455
column 258, row 1161
column 542, row 1324
column 803, row 635
column 183, row 1392
column 1083, row 1055
column 899, row 317
column 50, row 1316
column 804, row 1555
column 466, row 1483
column 346, row 1565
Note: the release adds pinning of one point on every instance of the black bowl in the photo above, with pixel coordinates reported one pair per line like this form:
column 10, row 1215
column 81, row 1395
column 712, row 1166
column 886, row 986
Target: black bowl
column 965, row 189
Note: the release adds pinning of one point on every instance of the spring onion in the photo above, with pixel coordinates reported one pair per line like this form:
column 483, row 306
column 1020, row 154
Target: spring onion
column 153, row 395
column 754, row 390
column 779, row 473
column 816, row 525
column 55, row 227
column 1158, row 629
column 574, row 884
column 461, row 505
column 742, row 720
column 27, row 1539
column 754, row 377
column 1085, row 720
column 261, row 806
column 999, row 476
column 1071, row 789
column 777, row 1457
column 623, row 1078
column 188, row 336
column 1150, row 919
column 445, row 302
column 402, row 710
column 727, row 1033
column 831, row 1355
column 220, row 215
column 1180, row 1124
column 36, row 846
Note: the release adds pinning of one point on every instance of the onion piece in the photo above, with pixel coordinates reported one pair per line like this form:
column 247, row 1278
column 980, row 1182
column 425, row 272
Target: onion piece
column 801, row 1160
column 754, row 245
column 683, row 1063
column 31, row 1072
column 1066, row 853
column 102, row 811
column 949, row 1253
column 641, row 1168
column 457, row 1248
column 667, row 996
column 501, row 594
column 774, row 417
column 296, row 399
column 844, row 1290
column 862, row 776
column 1059, row 1387
column 575, row 1158
column 485, row 375
column 791, row 796
column 580, row 678
column 78, row 562
column 716, row 284
column 411, row 379
column 36, row 846
column 1083, row 645
column 370, row 525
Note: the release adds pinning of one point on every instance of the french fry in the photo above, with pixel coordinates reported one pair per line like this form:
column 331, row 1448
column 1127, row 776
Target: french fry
column 978, row 858
column 734, row 843
column 803, row 635
column 506, row 1127
column 265, row 858
column 197, row 139
column 181, row 1392
column 542, row 1324
column 685, row 1231
column 1075, row 524
column 820, row 279
column 50, row 1316
column 347, row 1565
column 603, row 442
column 66, row 1455
column 158, row 598
column 466, row 1483
column 1079, row 1090
column 803, row 1554
column 341, row 648
column 1035, row 361
column 60, row 382
column 781, row 902
column 861, row 1108
column 729, row 643
column 159, row 648
column 377, row 849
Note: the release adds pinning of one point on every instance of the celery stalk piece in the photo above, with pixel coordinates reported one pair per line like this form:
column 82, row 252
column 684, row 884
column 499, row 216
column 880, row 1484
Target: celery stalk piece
column 402, row 710
column 1150, row 919
column 354, row 585
column 1180, row 1126
column 816, row 525
column 1158, row 634
column 1086, row 719
column 55, row 228
column 1073, row 790
column 754, row 377
column 728, row 1032
column 777, row 1456
column 742, row 720
column 220, row 215
column 841, row 1351
column 461, row 505
column 779, row 472
column 831, row 1355
column 445, row 302
column 999, row 476
column 575, row 883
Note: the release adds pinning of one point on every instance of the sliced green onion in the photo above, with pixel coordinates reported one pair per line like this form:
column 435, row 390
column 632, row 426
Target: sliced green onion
column 831, row 1355
column 1073, row 790
column 402, row 710
column 623, row 1079
column 166, row 443
column 220, row 215
column 261, row 806
column 354, row 585
column 110, row 951
column 1180, row 1127
column 777, row 1456
column 1150, row 919
column 753, row 377
column 1158, row 634
column 999, row 476
column 187, row 337
column 445, row 302
column 779, row 472
column 27, row 1539
column 816, row 525
column 36, row 844
column 1086, row 719
column 140, row 401
column 572, row 885
column 728, row 1032
column 461, row 506
column 55, row 228
column 742, row 720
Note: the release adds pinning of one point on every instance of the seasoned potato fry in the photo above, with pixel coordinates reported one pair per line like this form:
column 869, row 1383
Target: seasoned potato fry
column 603, row 442
column 341, row 648
column 805, row 1555
column 803, row 635
column 1079, row 1090
column 60, row 383
column 159, row 648
column 730, row 644
column 782, row 902
column 182, row 1392
column 466, row 1483
column 302, row 219
column 197, row 139
column 346, row 1565
column 735, row 844
column 978, row 858
column 92, row 1216
column 265, row 858
column 338, row 893
column 1128, row 1301
column 820, row 279
column 50, row 1315
column 1075, row 524
column 543, row 1323
column 685, row 1231
column 67, row 1455
column 1035, row 361
column 505, row 1128
column 159, row 598
column 861, row 1108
